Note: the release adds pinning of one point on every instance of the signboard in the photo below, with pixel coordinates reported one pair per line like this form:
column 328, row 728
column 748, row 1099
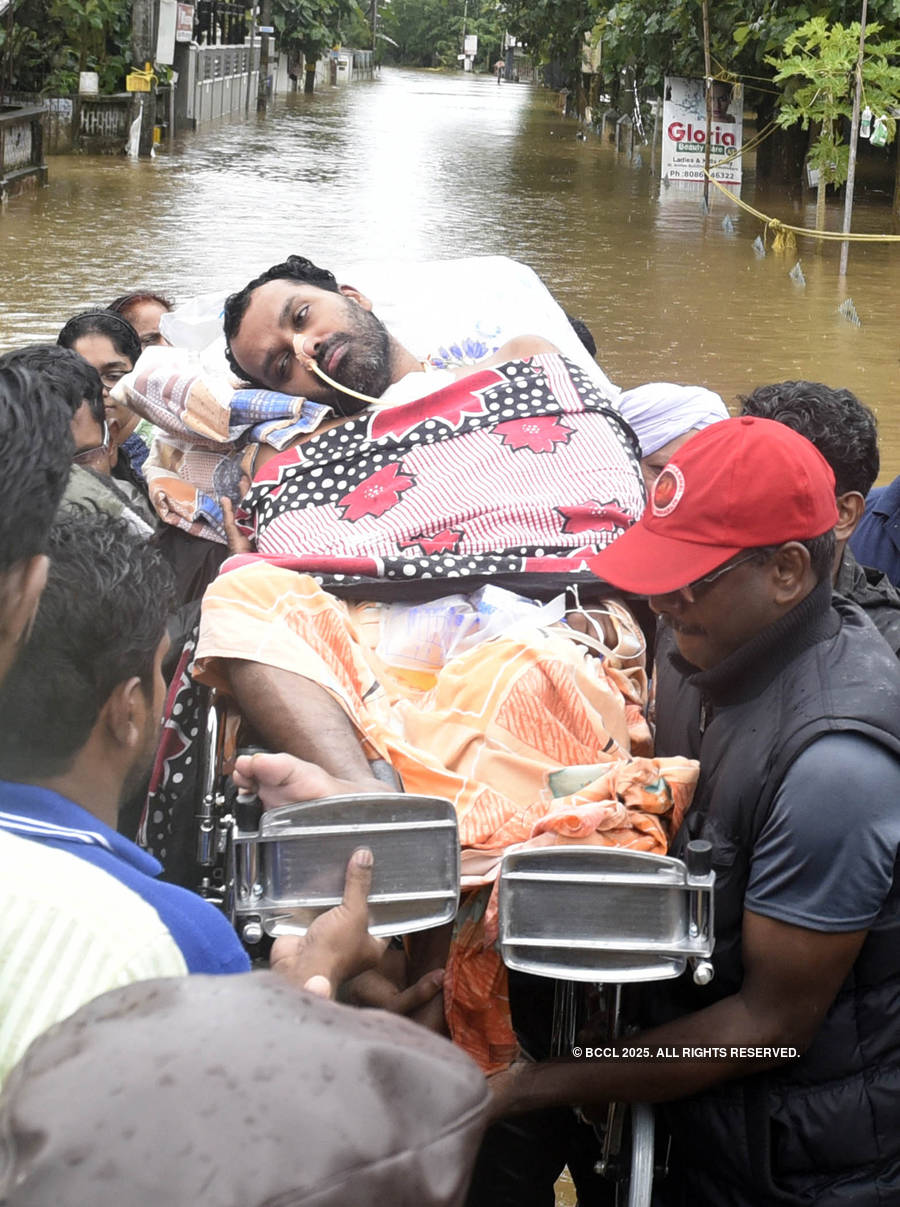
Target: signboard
column 684, row 130
column 165, row 33
column 184, row 23
column 470, row 45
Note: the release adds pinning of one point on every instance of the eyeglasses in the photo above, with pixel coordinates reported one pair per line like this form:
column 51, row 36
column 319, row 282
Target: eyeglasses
column 86, row 455
column 699, row 585
column 112, row 379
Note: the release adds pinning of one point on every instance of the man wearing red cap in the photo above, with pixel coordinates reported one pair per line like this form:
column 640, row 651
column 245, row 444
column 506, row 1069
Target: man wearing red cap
column 788, row 1063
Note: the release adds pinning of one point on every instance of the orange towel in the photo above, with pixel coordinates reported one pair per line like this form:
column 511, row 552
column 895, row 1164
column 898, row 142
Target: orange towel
column 488, row 731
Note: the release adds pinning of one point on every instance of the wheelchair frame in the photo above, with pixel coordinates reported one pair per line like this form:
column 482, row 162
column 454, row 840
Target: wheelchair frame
column 273, row 872
column 608, row 916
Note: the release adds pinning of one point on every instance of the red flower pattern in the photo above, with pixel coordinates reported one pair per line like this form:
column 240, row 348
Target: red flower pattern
column 445, row 541
column 452, row 405
column 540, row 433
column 594, row 516
column 376, row 494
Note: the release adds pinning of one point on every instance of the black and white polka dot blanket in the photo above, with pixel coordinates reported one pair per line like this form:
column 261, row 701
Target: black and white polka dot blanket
column 506, row 471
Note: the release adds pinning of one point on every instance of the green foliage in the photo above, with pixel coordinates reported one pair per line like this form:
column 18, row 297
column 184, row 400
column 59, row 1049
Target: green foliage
column 655, row 38
column 818, row 70
column 553, row 28
column 310, row 27
column 429, row 33
column 53, row 40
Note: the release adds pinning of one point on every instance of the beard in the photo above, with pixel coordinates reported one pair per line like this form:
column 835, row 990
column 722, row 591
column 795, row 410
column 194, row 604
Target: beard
column 365, row 365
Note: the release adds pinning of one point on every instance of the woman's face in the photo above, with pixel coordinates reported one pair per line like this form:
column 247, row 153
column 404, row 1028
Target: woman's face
column 144, row 316
column 653, row 464
column 99, row 350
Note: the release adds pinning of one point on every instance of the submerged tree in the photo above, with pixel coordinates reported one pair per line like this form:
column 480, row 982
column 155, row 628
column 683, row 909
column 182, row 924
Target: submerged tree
column 310, row 27
column 818, row 69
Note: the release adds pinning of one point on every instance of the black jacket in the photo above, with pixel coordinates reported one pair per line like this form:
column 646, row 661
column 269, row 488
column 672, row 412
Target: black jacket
column 824, row 1129
column 873, row 592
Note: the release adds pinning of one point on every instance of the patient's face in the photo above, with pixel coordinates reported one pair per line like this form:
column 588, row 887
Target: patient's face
column 338, row 330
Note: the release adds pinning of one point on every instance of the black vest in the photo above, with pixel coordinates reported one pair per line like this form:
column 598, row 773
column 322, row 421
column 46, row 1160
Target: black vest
column 824, row 1129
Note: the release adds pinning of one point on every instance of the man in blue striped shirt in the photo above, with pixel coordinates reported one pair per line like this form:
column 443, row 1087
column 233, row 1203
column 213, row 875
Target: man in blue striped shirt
column 79, row 722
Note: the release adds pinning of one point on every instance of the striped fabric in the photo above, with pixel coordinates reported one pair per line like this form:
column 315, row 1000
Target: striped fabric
column 503, row 472
column 68, row 932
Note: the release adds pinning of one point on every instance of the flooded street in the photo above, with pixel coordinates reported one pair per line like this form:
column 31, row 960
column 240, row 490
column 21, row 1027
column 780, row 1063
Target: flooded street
column 418, row 165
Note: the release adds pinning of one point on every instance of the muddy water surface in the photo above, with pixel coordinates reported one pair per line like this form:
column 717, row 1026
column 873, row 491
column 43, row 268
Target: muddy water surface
column 421, row 165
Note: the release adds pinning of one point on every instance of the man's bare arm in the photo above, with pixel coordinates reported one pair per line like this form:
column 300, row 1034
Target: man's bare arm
column 792, row 976
column 296, row 715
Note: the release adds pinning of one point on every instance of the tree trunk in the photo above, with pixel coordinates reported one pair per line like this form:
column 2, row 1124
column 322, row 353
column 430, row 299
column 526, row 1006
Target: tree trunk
column 309, row 78
column 779, row 159
column 896, row 210
column 262, row 89
column 820, row 205
column 580, row 97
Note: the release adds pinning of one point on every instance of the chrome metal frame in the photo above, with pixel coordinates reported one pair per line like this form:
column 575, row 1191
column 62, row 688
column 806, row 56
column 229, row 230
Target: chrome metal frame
column 246, row 858
column 609, row 916
column 290, row 869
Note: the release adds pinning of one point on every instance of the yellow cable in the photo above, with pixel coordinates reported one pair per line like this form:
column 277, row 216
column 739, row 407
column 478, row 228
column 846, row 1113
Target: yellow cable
column 777, row 226
column 783, row 232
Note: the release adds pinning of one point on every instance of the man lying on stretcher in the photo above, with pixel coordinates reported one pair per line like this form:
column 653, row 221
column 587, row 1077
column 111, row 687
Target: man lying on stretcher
column 212, row 427
column 513, row 475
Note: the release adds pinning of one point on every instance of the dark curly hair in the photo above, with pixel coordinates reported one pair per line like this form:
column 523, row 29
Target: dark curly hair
column 835, row 421
column 294, row 268
column 66, row 373
column 35, row 456
column 100, row 621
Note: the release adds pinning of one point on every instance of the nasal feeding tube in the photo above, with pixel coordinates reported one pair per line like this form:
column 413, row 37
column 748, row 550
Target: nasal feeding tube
column 312, row 364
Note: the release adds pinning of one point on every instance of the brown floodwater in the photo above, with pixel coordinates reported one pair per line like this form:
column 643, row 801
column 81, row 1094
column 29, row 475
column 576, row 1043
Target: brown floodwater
column 421, row 165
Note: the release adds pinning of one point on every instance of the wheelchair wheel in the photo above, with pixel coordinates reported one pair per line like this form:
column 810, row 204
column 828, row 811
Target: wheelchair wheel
column 640, row 1186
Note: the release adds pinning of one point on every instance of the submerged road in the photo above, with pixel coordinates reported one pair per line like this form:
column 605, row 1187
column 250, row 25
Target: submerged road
column 420, row 165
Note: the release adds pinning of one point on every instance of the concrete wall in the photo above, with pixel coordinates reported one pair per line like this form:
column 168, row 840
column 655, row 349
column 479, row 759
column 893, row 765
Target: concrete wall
column 104, row 121
column 350, row 66
column 59, row 131
column 22, row 164
column 213, row 82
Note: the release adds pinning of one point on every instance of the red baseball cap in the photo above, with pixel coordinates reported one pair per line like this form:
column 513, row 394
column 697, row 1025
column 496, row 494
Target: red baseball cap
column 736, row 485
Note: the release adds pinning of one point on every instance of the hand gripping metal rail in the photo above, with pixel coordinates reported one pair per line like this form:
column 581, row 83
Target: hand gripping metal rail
column 274, row 872
column 608, row 916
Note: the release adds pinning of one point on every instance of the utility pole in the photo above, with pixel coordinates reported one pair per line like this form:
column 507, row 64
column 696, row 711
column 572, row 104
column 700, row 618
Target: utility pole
column 707, row 67
column 250, row 55
column 143, row 47
column 262, row 93
column 854, row 139
column 6, row 63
